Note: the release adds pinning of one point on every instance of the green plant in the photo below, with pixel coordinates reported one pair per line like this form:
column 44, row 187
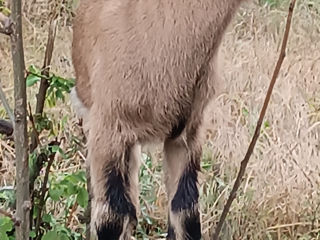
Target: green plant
column 6, row 225
column 58, row 86
column 66, row 193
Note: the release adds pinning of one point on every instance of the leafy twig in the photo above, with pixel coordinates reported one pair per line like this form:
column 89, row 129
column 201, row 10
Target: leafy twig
column 245, row 161
column 44, row 190
column 38, row 75
column 44, row 83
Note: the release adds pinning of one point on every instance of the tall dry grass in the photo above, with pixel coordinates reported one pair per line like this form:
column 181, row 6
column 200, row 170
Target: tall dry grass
column 280, row 196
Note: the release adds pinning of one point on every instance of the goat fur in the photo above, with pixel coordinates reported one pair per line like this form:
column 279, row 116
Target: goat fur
column 143, row 69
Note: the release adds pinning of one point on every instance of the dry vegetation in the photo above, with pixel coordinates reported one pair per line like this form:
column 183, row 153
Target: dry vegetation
column 280, row 196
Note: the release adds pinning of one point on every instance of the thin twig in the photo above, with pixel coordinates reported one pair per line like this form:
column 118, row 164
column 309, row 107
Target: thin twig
column 6, row 105
column 289, row 225
column 245, row 161
column 44, row 190
column 33, row 125
column 44, row 83
column 9, row 215
column 38, row 75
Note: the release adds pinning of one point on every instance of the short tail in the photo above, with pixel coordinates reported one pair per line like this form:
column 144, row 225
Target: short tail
column 80, row 109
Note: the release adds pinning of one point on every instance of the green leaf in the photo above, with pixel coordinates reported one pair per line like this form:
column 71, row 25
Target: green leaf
column 80, row 176
column 266, row 124
column 5, row 224
column 6, row 11
column 55, row 148
column 63, row 236
column 55, row 194
column 33, row 69
column 32, row 234
column 72, row 189
column 245, row 112
column 51, row 235
column 47, row 218
column 59, row 94
column 82, row 197
column 32, row 79
column 3, row 235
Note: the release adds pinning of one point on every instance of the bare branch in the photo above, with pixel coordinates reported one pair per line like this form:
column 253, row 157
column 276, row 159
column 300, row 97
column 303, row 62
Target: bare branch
column 20, row 131
column 245, row 161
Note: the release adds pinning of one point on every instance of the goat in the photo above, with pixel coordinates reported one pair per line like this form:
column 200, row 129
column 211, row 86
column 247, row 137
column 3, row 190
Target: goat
column 145, row 71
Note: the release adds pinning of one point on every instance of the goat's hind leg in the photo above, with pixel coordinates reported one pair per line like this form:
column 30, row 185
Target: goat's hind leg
column 114, row 165
column 181, row 166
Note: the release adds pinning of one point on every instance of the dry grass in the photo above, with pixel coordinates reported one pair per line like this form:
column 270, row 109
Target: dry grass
column 280, row 196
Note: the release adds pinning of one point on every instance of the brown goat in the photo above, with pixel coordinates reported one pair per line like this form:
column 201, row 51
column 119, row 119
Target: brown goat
column 145, row 70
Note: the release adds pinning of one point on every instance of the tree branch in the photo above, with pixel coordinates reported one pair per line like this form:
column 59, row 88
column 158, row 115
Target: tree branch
column 44, row 83
column 42, row 201
column 20, row 131
column 245, row 161
column 44, row 190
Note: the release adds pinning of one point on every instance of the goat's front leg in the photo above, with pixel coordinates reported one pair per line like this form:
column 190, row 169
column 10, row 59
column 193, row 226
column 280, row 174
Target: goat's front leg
column 181, row 164
column 114, row 165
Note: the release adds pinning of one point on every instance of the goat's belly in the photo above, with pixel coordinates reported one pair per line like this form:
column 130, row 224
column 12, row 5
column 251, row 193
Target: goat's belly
column 155, row 117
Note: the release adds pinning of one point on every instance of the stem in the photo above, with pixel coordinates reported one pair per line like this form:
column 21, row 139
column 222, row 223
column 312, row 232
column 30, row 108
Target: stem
column 245, row 161
column 20, row 132
column 44, row 83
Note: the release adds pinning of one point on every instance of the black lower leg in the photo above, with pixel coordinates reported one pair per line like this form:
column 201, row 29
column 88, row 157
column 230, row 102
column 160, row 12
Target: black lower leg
column 185, row 203
column 120, row 204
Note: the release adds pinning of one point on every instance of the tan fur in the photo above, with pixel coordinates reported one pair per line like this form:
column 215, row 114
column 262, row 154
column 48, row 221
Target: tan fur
column 134, row 166
column 176, row 159
column 142, row 66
